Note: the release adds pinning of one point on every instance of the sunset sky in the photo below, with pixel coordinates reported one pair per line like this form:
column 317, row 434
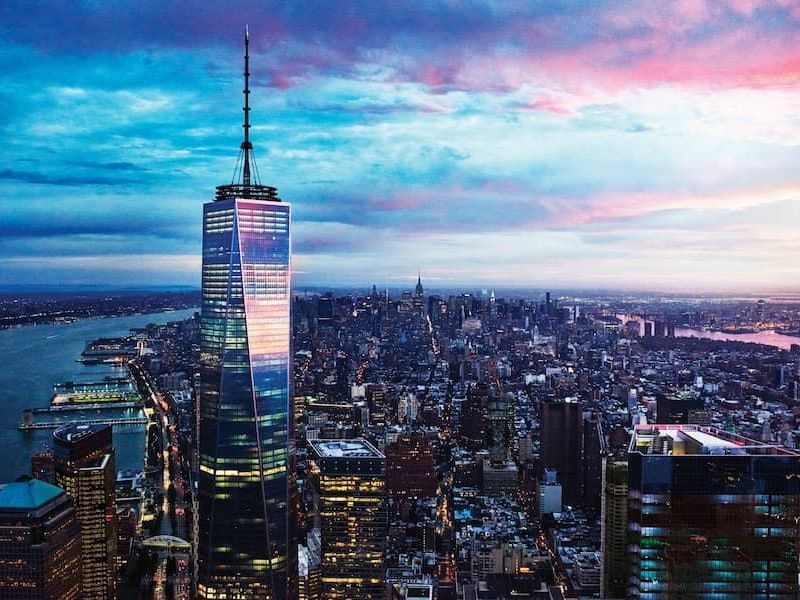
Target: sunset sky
column 638, row 145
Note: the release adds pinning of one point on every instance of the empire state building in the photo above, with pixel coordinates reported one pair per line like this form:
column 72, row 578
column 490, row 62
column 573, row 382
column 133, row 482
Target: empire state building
column 246, row 544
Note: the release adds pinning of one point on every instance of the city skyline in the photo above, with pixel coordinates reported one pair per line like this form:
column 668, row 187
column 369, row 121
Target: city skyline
column 629, row 146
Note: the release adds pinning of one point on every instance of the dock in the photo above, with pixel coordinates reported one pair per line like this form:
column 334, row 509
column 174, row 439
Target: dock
column 55, row 424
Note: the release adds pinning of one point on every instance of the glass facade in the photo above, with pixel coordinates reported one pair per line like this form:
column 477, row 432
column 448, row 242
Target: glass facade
column 720, row 523
column 246, row 542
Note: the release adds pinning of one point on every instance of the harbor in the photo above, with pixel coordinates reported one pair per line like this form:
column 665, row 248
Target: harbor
column 42, row 364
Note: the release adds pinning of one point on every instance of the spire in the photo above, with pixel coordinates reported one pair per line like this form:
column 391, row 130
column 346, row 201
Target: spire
column 246, row 145
column 245, row 182
column 419, row 290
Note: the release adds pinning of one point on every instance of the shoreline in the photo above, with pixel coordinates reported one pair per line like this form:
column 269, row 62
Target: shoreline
column 72, row 320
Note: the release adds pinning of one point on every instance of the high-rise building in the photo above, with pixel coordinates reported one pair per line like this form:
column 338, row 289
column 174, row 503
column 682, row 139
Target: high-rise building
column 711, row 515
column 246, row 540
column 561, row 442
column 473, row 418
column 85, row 467
column 40, row 543
column 592, row 462
column 410, row 467
column 43, row 466
column 614, row 526
column 348, row 481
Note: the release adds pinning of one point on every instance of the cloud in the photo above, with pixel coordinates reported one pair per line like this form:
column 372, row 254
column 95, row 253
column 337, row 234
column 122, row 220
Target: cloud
column 68, row 180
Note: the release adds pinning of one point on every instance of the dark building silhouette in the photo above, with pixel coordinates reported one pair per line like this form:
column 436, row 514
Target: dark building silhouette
column 325, row 309
column 473, row 419
column 592, row 463
column 410, row 467
column 40, row 543
column 561, row 446
column 85, row 467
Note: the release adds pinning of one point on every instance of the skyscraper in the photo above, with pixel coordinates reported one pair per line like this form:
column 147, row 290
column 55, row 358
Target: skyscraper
column 85, row 467
column 246, row 545
column 40, row 543
column 711, row 515
column 561, row 438
column 348, row 480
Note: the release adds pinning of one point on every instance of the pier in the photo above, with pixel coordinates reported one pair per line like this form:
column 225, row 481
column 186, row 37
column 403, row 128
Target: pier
column 55, row 424
column 60, row 408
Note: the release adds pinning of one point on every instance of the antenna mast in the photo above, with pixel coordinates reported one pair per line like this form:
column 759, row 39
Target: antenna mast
column 246, row 145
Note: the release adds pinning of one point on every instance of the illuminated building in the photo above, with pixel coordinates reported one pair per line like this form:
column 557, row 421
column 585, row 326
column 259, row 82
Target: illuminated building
column 500, row 433
column 40, row 543
column 711, row 515
column 246, row 546
column 614, row 523
column 85, row 467
column 410, row 467
column 348, row 479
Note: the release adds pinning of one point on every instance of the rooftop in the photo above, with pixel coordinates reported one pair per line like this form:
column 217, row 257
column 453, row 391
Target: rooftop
column 357, row 448
column 27, row 495
column 75, row 432
column 694, row 440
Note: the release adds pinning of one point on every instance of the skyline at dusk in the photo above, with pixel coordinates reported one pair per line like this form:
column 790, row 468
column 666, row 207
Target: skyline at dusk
column 594, row 145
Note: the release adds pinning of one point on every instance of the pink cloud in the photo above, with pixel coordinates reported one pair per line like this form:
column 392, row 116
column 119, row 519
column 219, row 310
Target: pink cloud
column 549, row 104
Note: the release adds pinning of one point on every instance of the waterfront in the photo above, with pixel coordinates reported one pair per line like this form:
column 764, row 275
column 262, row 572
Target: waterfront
column 35, row 358
column 768, row 337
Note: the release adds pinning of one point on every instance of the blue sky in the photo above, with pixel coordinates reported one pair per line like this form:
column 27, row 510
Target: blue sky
column 642, row 145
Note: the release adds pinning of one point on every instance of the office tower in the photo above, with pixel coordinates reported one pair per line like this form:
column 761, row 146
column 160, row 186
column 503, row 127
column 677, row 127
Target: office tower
column 85, row 467
column 711, row 514
column 659, row 328
column 43, row 465
column 246, row 546
column 40, row 543
column 410, row 467
column 348, row 482
column 614, row 524
column 548, row 494
column 500, row 428
column 648, row 329
column 561, row 441
column 376, row 402
column 472, row 420
column 592, row 462
column 325, row 309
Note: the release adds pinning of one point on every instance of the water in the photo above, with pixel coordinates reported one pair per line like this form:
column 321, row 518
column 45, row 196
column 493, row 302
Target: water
column 768, row 338
column 34, row 358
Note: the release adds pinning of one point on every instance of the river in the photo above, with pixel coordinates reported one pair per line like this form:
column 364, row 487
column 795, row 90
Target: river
column 768, row 337
column 34, row 358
